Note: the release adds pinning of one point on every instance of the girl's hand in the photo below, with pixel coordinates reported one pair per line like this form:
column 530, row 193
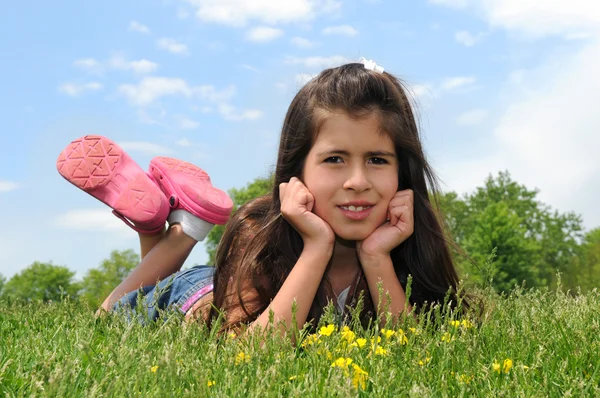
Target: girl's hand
column 397, row 229
column 296, row 208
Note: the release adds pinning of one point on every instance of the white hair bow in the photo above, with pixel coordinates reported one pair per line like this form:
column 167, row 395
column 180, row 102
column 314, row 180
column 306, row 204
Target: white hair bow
column 371, row 65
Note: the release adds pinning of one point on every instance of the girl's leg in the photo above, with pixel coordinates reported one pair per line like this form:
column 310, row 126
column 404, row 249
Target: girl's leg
column 147, row 242
column 164, row 259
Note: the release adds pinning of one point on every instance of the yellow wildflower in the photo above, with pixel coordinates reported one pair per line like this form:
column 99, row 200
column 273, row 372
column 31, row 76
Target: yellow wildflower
column 327, row 353
column 424, row 362
column 359, row 377
column 210, row 383
column 525, row 367
column 496, row 367
column 154, row 369
column 447, row 337
column 466, row 324
column 310, row 340
column 360, row 343
column 231, row 336
column 402, row 337
column 415, row 331
column 456, row 324
column 465, row 379
column 387, row 333
column 241, row 357
column 373, row 340
column 381, row 351
column 348, row 334
column 342, row 363
column 508, row 363
column 327, row 330
column 293, row 378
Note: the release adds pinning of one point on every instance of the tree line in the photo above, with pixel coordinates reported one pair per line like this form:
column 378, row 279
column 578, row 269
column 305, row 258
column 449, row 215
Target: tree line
column 501, row 236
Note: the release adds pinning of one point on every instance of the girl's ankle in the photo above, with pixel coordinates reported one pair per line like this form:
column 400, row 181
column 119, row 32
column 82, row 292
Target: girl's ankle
column 183, row 222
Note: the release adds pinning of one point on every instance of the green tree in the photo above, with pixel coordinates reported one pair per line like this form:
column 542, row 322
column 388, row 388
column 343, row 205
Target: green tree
column 499, row 227
column 41, row 281
column 258, row 187
column 2, row 282
column 587, row 264
column 533, row 242
column 99, row 282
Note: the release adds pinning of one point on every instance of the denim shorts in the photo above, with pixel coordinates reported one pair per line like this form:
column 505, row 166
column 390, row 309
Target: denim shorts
column 179, row 292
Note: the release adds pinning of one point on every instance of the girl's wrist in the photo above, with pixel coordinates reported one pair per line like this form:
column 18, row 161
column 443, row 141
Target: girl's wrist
column 375, row 260
column 318, row 250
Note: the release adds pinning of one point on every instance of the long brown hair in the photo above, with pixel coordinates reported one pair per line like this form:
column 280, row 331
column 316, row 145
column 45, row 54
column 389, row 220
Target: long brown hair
column 259, row 248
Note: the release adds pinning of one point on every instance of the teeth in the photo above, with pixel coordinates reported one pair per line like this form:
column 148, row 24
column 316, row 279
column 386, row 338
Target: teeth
column 354, row 208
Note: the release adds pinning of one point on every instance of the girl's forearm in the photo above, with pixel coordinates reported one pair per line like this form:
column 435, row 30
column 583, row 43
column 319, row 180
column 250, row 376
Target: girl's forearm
column 300, row 286
column 382, row 270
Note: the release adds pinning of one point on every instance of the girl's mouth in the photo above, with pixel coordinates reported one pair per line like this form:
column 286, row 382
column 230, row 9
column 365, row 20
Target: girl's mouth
column 356, row 213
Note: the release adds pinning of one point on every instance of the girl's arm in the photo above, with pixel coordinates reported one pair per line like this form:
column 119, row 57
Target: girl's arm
column 300, row 286
column 382, row 270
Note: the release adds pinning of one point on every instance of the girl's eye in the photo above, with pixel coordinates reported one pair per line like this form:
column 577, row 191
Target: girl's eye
column 378, row 160
column 333, row 159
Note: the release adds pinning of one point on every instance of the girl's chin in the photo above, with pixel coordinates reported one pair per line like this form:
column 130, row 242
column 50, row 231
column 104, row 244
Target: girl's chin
column 353, row 235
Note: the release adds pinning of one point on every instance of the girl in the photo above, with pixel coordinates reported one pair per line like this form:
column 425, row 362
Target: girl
column 350, row 208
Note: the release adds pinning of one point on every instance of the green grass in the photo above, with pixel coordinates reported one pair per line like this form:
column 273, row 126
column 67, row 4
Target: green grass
column 61, row 349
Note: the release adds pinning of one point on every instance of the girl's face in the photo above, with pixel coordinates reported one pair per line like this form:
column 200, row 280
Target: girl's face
column 352, row 172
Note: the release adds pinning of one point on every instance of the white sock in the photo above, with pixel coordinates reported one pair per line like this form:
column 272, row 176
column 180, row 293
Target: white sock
column 191, row 225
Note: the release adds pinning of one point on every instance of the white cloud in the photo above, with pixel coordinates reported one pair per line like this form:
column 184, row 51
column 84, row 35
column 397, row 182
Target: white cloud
column 74, row 90
column 187, row 124
column 536, row 18
column 240, row 12
column 450, row 3
column 250, row 67
column 138, row 27
column 172, row 46
column 229, row 112
column 467, row 39
column 345, row 30
column 554, row 142
column 184, row 142
column 152, row 88
column 101, row 220
column 472, row 117
column 544, row 140
column 141, row 66
column 263, row 34
column 117, row 62
column 301, row 42
column 88, row 64
column 317, row 62
column 7, row 186
column 579, row 36
column 453, row 83
column 147, row 148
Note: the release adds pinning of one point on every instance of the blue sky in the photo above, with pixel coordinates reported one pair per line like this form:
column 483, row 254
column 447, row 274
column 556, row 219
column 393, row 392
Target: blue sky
column 499, row 85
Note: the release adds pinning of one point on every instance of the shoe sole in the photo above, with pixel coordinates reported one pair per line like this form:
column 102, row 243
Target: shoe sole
column 189, row 187
column 101, row 168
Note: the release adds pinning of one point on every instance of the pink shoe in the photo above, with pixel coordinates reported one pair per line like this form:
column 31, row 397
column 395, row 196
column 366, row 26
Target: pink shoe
column 189, row 188
column 101, row 168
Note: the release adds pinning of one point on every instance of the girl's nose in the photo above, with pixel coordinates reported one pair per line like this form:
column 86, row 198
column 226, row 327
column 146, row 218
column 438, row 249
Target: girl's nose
column 358, row 180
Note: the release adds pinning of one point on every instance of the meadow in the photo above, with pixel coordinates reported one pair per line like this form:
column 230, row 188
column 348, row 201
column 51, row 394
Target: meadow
column 530, row 343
